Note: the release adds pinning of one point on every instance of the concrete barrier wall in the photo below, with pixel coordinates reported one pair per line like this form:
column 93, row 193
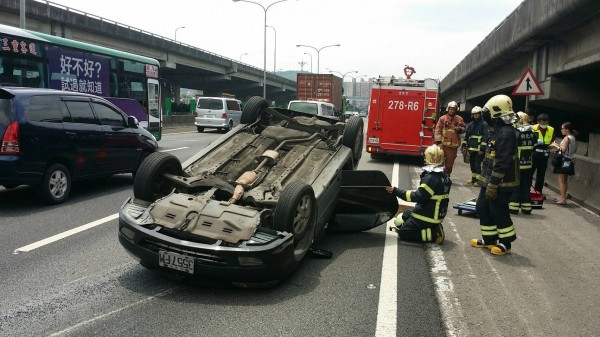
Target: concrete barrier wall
column 584, row 185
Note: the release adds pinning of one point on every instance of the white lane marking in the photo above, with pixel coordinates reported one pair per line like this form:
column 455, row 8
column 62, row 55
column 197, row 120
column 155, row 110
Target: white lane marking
column 388, row 297
column 73, row 327
column 63, row 235
column 179, row 148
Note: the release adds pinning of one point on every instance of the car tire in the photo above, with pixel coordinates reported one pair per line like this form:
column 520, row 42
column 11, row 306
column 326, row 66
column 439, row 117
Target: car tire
column 200, row 128
column 354, row 137
column 295, row 211
column 253, row 109
column 149, row 184
column 56, row 184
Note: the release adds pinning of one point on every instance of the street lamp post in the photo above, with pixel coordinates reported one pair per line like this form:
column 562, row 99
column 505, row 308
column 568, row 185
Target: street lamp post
column 309, row 54
column 244, row 54
column 318, row 51
column 274, row 49
column 178, row 28
column 265, row 9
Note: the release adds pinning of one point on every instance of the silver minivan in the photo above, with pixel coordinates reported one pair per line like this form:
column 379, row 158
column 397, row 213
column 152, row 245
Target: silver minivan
column 217, row 112
column 314, row 108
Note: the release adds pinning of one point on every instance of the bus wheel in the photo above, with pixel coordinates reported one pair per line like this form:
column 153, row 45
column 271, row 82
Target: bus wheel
column 354, row 137
column 149, row 183
column 252, row 109
column 200, row 129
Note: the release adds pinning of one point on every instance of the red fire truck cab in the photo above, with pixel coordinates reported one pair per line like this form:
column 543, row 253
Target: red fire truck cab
column 402, row 116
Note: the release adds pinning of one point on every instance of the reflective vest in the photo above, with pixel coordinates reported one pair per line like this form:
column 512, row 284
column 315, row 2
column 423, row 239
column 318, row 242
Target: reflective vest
column 546, row 138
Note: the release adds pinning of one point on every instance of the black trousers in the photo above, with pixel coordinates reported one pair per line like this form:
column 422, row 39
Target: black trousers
column 540, row 164
column 494, row 218
column 475, row 163
column 416, row 230
column 522, row 197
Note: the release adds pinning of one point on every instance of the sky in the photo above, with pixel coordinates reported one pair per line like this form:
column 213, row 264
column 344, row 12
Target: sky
column 376, row 37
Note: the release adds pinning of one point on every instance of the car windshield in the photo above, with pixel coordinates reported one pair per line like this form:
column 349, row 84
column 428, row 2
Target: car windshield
column 306, row 107
column 214, row 104
column 6, row 116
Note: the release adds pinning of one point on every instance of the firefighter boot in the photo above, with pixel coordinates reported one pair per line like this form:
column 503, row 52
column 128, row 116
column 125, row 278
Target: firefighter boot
column 480, row 243
column 501, row 249
column 440, row 235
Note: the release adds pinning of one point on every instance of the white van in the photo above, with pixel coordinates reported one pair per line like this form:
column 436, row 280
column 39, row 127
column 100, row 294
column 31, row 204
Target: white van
column 217, row 112
column 314, row 108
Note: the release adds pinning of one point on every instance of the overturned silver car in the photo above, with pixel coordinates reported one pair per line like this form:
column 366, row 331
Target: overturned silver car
column 247, row 208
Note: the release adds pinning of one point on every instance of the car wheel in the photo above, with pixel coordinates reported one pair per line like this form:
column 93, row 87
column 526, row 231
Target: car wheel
column 295, row 210
column 200, row 129
column 229, row 126
column 56, row 185
column 149, row 183
column 353, row 137
column 253, row 109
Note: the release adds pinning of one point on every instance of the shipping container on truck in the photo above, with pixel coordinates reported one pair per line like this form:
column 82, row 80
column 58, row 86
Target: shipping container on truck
column 320, row 87
column 402, row 116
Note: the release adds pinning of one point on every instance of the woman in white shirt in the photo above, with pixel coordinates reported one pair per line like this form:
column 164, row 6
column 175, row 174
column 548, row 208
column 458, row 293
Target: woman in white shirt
column 567, row 147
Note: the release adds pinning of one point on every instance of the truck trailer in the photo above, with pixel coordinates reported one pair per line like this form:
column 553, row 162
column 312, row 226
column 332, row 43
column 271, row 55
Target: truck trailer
column 402, row 116
column 320, row 87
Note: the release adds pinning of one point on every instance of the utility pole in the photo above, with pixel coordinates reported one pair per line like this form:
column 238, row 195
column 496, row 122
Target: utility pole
column 302, row 63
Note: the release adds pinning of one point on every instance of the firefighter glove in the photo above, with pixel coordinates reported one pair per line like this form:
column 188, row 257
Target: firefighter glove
column 491, row 193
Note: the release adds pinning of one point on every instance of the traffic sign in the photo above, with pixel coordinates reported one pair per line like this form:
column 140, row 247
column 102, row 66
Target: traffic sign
column 528, row 85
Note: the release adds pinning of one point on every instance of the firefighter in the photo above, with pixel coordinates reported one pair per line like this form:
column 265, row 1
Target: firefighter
column 541, row 151
column 423, row 223
column 476, row 141
column 499, row 179
column 447, row 133
column 521, row 199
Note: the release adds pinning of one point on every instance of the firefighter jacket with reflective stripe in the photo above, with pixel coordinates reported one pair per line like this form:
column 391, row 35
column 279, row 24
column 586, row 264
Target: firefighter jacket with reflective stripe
column 527, row 139
column 476, row 136
column 546, row 139
column 500, row 165
column 431, row 197
column 448, row 130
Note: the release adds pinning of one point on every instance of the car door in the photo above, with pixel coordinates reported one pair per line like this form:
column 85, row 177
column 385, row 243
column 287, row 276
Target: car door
column 84, row 136
column 234, row 111
column 121, row 144
column 363, row 202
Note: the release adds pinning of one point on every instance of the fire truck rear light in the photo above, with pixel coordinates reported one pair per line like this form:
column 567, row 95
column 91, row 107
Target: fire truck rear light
column 10, row 141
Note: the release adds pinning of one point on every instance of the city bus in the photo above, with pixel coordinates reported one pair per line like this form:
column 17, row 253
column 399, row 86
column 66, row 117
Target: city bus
column 33, row 59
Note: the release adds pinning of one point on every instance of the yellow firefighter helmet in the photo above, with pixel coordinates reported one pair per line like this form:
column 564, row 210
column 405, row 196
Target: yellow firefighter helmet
column 434, row 155
column 500, row 106
column 523, row 118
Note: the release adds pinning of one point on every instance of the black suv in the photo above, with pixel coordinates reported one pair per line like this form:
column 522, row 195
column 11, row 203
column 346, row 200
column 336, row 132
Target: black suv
column 51, row 137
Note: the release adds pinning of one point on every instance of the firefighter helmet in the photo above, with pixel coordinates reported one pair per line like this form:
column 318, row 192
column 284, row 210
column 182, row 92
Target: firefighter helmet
column 476, row 110
column 523, row 118
column 500, row 106
column 434, row 155
column 452, row 105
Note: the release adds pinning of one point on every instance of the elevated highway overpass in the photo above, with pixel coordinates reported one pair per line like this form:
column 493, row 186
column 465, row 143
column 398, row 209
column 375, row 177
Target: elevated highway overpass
column 181, row 64
column 559, row 40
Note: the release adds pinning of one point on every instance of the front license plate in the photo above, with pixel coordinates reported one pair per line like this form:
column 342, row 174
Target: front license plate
column 175, row 261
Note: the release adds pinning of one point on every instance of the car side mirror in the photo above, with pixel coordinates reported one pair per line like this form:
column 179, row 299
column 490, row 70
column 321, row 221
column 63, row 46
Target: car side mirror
column 132, row 121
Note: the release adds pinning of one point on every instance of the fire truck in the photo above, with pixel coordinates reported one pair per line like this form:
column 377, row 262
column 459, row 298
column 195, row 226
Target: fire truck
column 402, row 115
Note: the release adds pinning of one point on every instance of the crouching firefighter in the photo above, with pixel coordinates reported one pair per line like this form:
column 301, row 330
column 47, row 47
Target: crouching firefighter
column 527, row 138
column 499, row 179
column 423, row 223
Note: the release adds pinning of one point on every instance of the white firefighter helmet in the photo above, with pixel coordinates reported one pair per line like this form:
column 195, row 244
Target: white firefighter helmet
column 452, row 104
column 523, row 118
column 434, row 155
column 476, row 110
column 500, row 106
